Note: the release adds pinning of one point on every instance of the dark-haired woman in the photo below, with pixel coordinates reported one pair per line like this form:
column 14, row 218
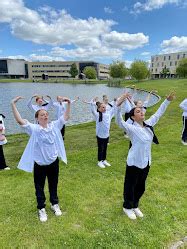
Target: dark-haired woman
column 103, row 120
column 141, row 135
column 41, row 154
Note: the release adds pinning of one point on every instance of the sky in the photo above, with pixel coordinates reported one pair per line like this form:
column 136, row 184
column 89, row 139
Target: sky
column 98, row 30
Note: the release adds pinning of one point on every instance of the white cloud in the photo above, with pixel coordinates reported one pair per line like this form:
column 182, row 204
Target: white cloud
column 124, row 40
column 175, row 44
column 145, row 53
column 150, row 5
column 108, row 10
column 88, row 38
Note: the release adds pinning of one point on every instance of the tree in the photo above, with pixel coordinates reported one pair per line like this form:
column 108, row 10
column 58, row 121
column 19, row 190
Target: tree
column 73, row 70
column 165, row 72
column 139, row 70
column 90, row 72
column 182, row 68
column 118, row 70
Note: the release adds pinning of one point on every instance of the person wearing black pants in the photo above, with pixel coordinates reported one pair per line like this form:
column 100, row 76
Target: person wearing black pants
column 41, row 154
column 3, row 165
column 141, row 135
column 134, row 185
column 103, row 120
column 50, row 172
column 183, row 106
column 102, row 148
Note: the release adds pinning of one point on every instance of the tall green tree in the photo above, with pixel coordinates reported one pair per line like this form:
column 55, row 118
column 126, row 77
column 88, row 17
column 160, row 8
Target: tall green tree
column 90, row 72
column 165, row 71
column 182, row 68
column 139, row 70
column 73, row 70
column 118, row 70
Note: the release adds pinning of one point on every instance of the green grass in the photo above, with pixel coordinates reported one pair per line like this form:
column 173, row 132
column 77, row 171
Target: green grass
column 91, row 198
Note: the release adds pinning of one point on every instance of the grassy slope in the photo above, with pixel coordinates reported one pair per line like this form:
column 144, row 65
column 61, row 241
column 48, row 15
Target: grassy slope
column 91, row 198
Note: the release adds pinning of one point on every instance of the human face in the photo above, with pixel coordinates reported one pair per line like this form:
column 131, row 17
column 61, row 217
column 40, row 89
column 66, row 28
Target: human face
column 139, row 103
column 139, row 115
column 59, row 98
column 43, row 117
column 39, row 101
column 102, row 108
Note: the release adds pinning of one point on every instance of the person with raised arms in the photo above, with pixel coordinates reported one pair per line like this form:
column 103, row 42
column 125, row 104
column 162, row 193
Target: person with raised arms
column 41, row 154
column 41, row 103
column 138, row 163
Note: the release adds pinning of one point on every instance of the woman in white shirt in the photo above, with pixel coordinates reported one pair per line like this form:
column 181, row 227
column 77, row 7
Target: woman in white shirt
column 141, row 135
column 3, row 140
column 41, row 103
column 60, row 107
column 183, row 106
column 41, row 154
column 103, row 120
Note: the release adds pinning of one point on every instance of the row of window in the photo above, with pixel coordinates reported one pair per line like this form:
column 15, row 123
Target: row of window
column 179, row 56
column 52, row 65
column 172, row 63
column 50, row 71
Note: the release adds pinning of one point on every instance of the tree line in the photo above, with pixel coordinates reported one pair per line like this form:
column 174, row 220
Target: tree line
column 138, row 70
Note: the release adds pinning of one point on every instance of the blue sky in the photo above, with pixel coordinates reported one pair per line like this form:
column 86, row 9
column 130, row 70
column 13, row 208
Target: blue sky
column 99, row 30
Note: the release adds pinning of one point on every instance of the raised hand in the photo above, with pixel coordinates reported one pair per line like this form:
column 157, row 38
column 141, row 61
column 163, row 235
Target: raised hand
column 16, row 99
column 171, row 96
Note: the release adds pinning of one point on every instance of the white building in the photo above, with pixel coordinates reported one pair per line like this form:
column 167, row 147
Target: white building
column 165, row 62
column 13, row 68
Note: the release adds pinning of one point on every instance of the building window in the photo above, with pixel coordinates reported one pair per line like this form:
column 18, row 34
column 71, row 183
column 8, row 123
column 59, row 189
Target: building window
column 162, row 64
column 175, row 63
column 158, row 64
column 152, row 64
column 164, row 58
column 178, row 56
column 156, row 70
column 169, row 57
column 156, row 58
column 183, row 56
column 170, row 63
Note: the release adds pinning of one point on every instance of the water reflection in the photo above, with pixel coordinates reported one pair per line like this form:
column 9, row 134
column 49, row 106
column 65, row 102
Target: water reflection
column 80, row 112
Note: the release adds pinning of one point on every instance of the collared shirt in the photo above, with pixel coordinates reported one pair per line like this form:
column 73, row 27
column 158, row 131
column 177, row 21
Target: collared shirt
column 139, row 154
column 103, row 127
column 45, row 147
column 60, row 108
column 183, row 106
column 35, row 108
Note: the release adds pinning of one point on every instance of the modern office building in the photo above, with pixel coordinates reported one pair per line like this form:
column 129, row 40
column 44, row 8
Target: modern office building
column 165, row 64
column 13, row 68
column 61, row 69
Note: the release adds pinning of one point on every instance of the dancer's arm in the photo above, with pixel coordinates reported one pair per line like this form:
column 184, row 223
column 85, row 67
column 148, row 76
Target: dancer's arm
column 16, row 113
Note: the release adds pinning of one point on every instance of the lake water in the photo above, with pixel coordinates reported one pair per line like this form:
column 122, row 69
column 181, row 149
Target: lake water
column 80, row 112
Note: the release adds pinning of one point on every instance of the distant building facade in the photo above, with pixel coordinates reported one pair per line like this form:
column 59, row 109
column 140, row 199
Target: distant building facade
column 165, row 65
column 61, row 69
column 13, row 68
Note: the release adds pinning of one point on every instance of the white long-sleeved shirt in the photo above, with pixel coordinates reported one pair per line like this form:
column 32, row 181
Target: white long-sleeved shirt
column 35, row 108
column 183, row 106
column 60, row 108
column 139, row 154
column 103, row 127
column 45, row 145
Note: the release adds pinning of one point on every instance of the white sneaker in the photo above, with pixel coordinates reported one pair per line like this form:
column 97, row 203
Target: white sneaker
column 42, row 215
column 7, row 168
column 126, row 136
column 101, row 165
column 106, row 163
column 138, row 212
column 56, row 209
column 184, row 143
column 130, row 213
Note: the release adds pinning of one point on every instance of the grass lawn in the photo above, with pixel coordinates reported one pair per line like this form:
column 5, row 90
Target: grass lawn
column 91, row 198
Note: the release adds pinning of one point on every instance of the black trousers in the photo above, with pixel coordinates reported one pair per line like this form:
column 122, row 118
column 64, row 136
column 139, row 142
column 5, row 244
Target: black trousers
column 2, row 158
column 102, row 148
column 63, row 131
column 134, row 185
column 40, row 173
column 184, row 131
